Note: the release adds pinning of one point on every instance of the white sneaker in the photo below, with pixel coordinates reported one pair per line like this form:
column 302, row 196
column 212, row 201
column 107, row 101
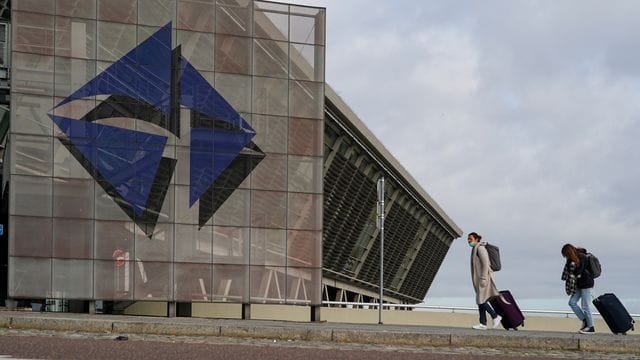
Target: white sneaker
column 479, row 327
column 496, row 321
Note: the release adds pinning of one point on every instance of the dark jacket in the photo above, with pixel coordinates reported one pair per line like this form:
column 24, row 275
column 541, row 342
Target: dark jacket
column 584, row 278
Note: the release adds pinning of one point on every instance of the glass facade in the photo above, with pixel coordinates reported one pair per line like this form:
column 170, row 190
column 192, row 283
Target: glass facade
column 166, row 150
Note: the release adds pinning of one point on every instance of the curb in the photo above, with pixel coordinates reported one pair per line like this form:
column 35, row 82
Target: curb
column 432, row 337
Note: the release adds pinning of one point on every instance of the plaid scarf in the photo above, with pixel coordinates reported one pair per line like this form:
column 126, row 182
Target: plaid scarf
column 569, row 278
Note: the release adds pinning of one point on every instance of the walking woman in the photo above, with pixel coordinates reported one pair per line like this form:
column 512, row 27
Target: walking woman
column 578, row 285
column 483, row 283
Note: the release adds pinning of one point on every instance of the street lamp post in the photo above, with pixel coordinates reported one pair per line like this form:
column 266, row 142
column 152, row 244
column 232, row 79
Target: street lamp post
column 380, row 224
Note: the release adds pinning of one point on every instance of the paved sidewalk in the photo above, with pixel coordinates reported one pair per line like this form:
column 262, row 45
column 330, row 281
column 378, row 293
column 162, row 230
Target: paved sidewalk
column 418, row 336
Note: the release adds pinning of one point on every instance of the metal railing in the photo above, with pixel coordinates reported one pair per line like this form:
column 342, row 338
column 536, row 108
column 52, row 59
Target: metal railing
column 452, row 309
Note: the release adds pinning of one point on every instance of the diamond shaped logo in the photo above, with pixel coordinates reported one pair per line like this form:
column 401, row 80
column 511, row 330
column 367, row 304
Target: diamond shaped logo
column 151, row 83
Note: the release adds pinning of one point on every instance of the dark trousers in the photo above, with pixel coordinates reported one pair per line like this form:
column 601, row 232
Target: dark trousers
column 483, row 309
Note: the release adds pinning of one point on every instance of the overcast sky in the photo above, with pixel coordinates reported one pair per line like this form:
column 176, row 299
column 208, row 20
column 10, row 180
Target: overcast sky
column 520, row 118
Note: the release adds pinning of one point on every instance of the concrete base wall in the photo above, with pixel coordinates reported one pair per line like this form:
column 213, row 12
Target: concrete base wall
column 147, row 308
column 216, row 310
column 280, row 312
column 226, row 311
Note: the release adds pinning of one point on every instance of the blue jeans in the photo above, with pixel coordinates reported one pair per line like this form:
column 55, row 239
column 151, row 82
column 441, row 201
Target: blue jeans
column 583, row 313
column 483, row 309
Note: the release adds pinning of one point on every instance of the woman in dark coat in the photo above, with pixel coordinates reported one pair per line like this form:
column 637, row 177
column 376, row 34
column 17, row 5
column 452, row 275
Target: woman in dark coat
column 579, row 285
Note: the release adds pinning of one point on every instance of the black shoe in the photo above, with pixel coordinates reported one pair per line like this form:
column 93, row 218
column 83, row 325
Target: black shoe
column 587, row 330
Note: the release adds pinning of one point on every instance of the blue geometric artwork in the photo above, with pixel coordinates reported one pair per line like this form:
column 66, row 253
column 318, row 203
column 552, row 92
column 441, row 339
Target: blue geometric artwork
column 151, row 83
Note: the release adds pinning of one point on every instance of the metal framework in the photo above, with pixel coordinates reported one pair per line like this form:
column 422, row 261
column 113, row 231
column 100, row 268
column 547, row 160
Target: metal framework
column 417, row 237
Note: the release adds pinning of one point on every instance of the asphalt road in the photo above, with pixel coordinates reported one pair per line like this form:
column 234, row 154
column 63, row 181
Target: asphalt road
column 55, row 345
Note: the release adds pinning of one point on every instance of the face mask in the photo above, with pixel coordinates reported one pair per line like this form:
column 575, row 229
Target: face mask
column 472, row 244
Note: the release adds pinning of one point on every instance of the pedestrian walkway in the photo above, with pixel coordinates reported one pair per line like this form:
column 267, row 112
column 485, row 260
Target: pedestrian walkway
column 396, row 335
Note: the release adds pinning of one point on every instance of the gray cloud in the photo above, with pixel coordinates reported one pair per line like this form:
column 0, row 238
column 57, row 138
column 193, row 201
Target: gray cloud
column 519, row 118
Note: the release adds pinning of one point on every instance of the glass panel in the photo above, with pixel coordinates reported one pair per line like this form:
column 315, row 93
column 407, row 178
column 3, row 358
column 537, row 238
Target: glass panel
column 193, row 282
column 65, row 165
column 307, row 99
column 30, row 114
column 271, row 133
column 167, row 211
column 271, row 21
column 32, row 155
column 307, row 25
column 268, row 209
column 157, row 248
column 234, row 17
column 304, row 211
column 73, row 110
column 106, row 207
column 182, row 172
column 305, row 174
column 304, row 248
column 303, row 285
column 270, row 58
column 193, row 244
column 233, row 54
column 268, row 247
column 235, row 210
column 30, row 195
column 156, row 12
column 32, row 74
column 197, row 48
column 72, row 279
column 307, row 62
column 153, row 281
column 71, row 74
column 230, row 245
column 196, row 16
column 114, row 239
column 305, row 137
column 75, row 38
column 184, row 213
column 76, row 8
column 33, row 33
column 269, row 96
column 271, row 173
column 267, row 284
column 118, row 10
column 39, row 6
column 30, row 236
column 73, row 198
column 115, row 40
column 73, row 238
column 230, row 283
column 113, row 280
column 236, row 89
column 29, row 277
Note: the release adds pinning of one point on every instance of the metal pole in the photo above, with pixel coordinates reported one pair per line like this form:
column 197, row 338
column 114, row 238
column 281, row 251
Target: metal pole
column 381, row 227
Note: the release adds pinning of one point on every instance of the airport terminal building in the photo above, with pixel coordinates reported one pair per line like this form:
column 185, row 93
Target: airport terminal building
column 190, row 152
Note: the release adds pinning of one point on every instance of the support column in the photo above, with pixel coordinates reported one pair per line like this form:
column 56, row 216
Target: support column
column 92, row 307
column 315, row 313
column 171, row 309
column 246, row 311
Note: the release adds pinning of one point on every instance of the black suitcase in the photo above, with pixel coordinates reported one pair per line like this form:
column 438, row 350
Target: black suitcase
column 614, row 313
column 505, row 305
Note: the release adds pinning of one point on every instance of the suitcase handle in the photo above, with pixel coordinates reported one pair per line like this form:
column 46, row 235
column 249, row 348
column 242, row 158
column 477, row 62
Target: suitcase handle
column 503, row 299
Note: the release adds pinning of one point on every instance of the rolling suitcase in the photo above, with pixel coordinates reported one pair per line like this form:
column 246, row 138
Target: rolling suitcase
column 614, row 313
column 506, row 306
